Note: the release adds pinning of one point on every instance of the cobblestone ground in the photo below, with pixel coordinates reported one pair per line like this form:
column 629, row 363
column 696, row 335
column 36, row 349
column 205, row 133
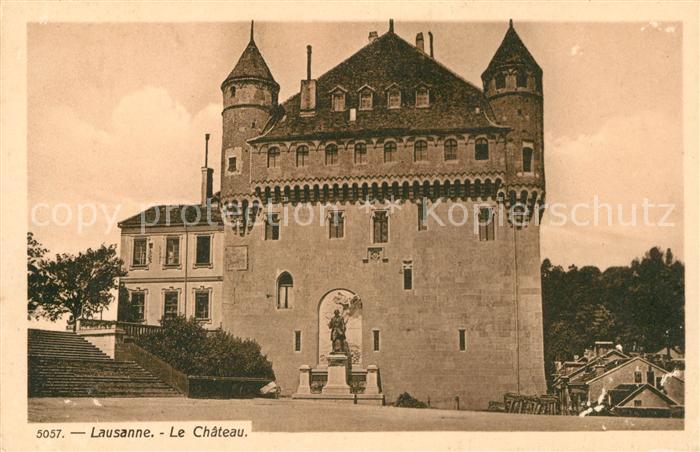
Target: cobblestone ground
column 286, row 415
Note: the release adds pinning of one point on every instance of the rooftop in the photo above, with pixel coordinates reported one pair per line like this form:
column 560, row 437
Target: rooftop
column 388, row 61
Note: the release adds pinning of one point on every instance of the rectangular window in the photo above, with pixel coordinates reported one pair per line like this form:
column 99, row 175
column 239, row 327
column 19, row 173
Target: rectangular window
column 366, row 100
column 407, row 275
column 231, row 165
column 297, row 341
column 651, row 377
column 486, row 224
column 336, row 225
column 203, row 255
column 422, row 97
column 380, row 226
column 462, row 340
column 170, row 305
column 638, row 377
column 394, row 99
column 422, row 216
column 138, row 306
column 172, row 251
column 637, row 403
column 139, row 255
column 272, row 227
column 338, row 101
column 375, row 340
column 527, row 160
column 201, row 305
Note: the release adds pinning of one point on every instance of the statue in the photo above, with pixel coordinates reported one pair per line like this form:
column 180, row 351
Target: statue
column 337, row 327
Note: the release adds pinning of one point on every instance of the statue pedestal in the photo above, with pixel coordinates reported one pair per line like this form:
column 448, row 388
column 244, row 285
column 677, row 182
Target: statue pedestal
column 337, row 375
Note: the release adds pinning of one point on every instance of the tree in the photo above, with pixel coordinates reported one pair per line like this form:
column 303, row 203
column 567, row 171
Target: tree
column 36, row 278
column 640, row 306
column 80, row 285
column 187, row 346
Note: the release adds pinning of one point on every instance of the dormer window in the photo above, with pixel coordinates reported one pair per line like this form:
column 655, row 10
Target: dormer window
column 394, row 98
column 500, row 81
column 366, row 98
column 339, row 101
column 422, row 97
column 338, row 98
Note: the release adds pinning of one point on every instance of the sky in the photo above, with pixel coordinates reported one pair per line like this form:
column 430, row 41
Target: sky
column 117, row 115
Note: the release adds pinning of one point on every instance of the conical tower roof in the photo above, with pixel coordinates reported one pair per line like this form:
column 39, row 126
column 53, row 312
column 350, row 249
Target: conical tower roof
column 251, row 64
column 511, row 52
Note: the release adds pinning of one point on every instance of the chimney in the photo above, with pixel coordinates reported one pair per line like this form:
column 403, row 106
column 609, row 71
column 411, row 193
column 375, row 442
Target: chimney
column 419, row 42
column 207, row 174
column 373, row 36
column 602, row 347
column 308, row 62
column 430, row 40
column 308, row 89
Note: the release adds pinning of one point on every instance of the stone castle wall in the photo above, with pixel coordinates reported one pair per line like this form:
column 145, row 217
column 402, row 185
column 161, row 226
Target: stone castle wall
column 459, row 282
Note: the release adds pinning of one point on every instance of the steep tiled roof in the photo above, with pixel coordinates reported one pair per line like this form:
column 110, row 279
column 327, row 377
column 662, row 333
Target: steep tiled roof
column 387, row 61
column 175, row 215
column 251, row 64
column 512, row 51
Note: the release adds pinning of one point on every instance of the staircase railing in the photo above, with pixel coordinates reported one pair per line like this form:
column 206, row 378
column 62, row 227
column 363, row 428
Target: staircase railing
column 130, row 329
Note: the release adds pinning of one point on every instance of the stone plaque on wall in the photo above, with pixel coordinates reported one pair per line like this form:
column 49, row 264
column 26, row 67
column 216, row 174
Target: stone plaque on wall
column 237, row 257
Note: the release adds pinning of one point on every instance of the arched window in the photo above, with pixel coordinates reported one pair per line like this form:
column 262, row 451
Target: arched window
column 451, row 149
column 302, row 155
column 331, row 154
column 420, row 151
column 481, row 149
column 285, row 291
column 232, row 91
column 500, row 81
column 527, row 160
column 389, row 151
column 360, row 153
column 521, row 79
column 272, row 156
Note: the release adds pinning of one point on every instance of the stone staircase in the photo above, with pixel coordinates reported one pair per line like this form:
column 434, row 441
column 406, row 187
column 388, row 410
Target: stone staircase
column 62, row 364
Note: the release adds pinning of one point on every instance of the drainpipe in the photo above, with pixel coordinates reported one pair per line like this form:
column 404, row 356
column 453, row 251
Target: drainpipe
column 187, row 262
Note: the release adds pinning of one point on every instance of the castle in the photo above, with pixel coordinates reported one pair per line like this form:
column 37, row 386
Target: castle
column 390, row 183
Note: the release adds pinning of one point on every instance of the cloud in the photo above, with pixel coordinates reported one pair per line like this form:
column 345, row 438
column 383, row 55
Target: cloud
column 628, row 160
column 149, row 151
column 658, row 26
column 575, row 50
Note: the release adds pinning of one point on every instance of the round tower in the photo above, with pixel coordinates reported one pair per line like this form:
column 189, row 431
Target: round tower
column 513, row 87
column 249, row 98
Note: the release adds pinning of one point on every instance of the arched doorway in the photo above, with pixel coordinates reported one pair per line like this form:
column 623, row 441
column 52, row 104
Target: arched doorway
column 350, row 307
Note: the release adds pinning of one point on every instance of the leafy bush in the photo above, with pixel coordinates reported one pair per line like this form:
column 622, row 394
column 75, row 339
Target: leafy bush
column 186, row 345
column 405, row 400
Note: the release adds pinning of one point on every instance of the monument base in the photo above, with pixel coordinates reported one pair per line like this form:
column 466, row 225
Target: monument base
column 337, row 383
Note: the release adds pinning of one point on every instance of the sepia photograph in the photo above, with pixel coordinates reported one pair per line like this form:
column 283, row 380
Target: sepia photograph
column 249, row 225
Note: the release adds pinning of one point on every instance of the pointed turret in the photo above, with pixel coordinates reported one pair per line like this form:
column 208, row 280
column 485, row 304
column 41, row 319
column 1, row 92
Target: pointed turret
column 251, row 64
column 511, row 53
column 513, row 87
column 250, row 97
